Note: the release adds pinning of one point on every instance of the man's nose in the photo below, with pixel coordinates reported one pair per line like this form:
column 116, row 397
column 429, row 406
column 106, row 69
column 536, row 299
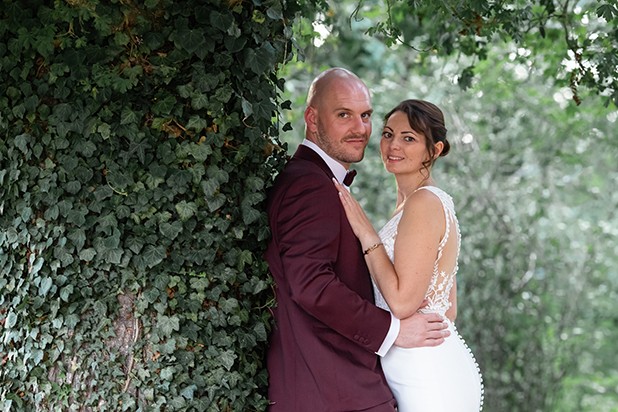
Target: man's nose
column 360, row 125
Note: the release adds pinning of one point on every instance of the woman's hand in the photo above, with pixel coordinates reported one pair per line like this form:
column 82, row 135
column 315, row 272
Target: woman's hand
column 362, row 227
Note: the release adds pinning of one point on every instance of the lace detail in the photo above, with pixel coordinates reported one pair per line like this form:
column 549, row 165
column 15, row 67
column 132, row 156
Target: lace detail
column 441, row 282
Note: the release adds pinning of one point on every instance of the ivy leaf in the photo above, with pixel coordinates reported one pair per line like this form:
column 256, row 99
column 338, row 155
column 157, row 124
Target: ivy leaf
column 153, row 255
column 227, row 359
column 37, row 356
column 188, row 391
column 167, row 374
column 78, row 237
column 264, row 108
column 186, row 210
column 200, row 151
column 217, row 173
column 247, row 340
column 21, row 141
column 113, row 255
column 199, row 101
column 234, row 44
column 191, row 40
column 223, row 94
column 229, row 305
column 168, row 324
column 260, row 332
column 221, row 21
column 275, row 12
column 134, row 244
column 247, row 108
column 36, row 266
column 71, row 320
column 170, row 230
column 215, row 202
column 210, row 187
column 87, row 254
column 104, row 130
column 245, row 257
column 197, row 123
column 260, row 60
column 11, row 320
column 65, row 292
column 254, row 183
column 128, row 116
column 45, row 286
column 164, row 106
column 249, row 214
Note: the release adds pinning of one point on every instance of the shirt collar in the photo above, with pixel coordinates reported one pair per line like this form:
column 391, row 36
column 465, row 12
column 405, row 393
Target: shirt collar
column 337, row 168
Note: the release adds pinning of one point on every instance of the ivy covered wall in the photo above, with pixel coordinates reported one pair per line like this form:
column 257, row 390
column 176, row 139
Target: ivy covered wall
column 136, row 144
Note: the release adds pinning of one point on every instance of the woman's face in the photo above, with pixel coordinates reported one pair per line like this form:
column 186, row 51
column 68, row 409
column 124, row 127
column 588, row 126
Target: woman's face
column 403, row 149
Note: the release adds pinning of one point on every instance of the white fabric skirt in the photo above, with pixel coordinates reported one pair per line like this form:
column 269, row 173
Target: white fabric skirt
column 443, row 378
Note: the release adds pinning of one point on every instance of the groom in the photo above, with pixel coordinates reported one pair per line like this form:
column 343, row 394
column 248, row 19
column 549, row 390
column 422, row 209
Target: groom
column 328, row 333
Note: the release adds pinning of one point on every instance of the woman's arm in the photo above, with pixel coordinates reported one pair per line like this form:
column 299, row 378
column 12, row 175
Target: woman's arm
column 405, row 283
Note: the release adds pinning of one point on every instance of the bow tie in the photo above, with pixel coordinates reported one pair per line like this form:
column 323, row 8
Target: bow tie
column 349, row 177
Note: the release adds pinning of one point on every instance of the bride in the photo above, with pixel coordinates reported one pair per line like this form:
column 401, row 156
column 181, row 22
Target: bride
column 413, row 262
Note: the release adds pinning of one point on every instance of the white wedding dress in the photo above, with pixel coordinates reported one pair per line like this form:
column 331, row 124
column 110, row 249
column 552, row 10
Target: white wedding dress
column 444, row 378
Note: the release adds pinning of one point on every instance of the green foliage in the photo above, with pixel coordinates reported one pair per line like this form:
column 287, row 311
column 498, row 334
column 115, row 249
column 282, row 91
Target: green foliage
column 584, row 34
column 532, row 175
column 135, row 150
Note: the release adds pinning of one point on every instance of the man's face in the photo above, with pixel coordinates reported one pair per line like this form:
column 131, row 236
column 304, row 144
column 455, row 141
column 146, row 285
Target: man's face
column 341, row 121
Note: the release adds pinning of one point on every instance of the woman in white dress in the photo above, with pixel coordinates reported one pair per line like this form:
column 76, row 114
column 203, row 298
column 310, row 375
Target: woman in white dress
column 413, row 263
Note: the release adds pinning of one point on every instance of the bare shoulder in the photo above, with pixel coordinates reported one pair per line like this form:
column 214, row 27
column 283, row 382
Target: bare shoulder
column 423, row 216
column 423, row 203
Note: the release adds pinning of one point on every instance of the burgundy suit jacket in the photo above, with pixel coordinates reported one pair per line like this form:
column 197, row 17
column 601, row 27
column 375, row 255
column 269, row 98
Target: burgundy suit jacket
column 322, row 349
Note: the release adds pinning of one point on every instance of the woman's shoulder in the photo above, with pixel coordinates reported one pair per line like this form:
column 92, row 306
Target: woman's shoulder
column 437, row 194
column 428, row 196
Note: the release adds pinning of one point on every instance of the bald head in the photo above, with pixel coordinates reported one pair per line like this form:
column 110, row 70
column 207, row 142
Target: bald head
column 332, row 80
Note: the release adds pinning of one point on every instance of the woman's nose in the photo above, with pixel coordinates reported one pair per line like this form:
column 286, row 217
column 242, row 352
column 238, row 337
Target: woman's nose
column 393, row 144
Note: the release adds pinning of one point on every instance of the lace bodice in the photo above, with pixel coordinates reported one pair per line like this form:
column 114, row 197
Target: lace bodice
column 441, row 282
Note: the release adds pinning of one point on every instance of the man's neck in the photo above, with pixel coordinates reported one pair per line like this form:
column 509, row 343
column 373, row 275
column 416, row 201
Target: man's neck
column 337, row 168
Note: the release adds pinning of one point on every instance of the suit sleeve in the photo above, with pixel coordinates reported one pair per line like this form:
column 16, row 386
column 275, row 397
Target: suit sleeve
column 309, row 221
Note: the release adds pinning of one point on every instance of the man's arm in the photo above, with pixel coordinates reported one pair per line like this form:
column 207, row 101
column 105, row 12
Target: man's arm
column 308, row 224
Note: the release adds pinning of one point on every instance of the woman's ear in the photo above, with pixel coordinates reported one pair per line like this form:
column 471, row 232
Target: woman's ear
column 439, row 146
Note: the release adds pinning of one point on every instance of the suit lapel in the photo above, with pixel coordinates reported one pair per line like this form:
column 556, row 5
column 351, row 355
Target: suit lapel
column 305, row 153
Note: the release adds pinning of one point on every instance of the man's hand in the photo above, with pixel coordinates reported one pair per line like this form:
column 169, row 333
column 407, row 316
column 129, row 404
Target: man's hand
column 422, row 329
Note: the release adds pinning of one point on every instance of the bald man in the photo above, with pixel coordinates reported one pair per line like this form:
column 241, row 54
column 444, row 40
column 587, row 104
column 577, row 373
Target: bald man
column 328, row 335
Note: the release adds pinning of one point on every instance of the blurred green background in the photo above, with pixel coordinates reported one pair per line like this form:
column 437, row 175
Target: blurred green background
column 533, row 176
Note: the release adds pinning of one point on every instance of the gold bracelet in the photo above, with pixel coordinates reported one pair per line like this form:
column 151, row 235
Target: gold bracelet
column 372, row 248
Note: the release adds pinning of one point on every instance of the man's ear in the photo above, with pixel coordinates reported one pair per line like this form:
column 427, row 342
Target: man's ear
column 311, row 119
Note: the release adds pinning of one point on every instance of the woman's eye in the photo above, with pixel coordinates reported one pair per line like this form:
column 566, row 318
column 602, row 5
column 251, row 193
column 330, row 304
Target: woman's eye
column 386, row 135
